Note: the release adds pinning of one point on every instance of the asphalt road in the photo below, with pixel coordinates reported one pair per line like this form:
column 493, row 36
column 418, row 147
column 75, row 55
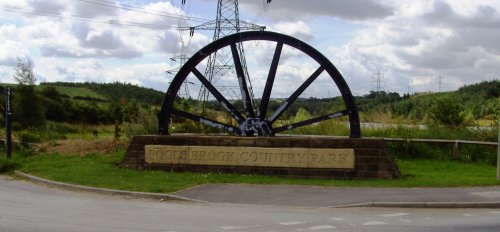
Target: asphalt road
column 28, row 207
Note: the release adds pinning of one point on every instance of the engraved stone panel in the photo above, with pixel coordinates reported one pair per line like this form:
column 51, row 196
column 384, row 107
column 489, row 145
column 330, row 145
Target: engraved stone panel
column 250, row 156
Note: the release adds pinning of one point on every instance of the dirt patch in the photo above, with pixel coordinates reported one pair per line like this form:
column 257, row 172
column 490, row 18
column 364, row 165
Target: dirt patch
column 82, row 146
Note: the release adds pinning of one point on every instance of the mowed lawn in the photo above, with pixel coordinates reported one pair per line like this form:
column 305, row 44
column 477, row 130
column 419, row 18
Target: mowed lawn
column 102, row 171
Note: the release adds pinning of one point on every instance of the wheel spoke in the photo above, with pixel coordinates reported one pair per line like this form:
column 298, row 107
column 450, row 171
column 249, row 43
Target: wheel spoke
column 225, row 103
column 311, row 121
column 270, row 81
column 296, row 94
column 206, row 121
column 245, row 94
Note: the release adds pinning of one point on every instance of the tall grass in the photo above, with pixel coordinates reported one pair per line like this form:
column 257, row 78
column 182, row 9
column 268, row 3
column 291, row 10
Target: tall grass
column 145, row 123
column 418, row 150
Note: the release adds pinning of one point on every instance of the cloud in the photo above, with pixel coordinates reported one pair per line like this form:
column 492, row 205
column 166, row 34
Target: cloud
column 345, row 9
column 10, row 48
column 478, row 29
column 105, row 40
column 68, row 37
column 298, row 29
column 417, row 49
column 410, row 42
column 94, row 8
column 151, row 75
column 47, row 6
column 68, row 49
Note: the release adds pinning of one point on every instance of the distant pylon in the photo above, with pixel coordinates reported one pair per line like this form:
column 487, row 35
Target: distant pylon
column 440, row 83
column 180, row 56
column 378, row 79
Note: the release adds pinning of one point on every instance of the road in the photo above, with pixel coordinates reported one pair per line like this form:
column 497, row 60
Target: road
column 28, row 207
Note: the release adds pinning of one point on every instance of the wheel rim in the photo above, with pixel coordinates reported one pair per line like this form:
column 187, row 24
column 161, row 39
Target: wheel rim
column 255, row 122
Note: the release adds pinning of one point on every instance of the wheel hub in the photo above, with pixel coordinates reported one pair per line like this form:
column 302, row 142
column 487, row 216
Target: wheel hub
column 256, row 126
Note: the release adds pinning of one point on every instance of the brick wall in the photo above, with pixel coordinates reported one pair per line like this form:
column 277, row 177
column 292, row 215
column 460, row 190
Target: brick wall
column 372, row 159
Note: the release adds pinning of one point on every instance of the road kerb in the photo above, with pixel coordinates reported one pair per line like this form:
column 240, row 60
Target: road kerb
column 435, row 205
column 157, row 196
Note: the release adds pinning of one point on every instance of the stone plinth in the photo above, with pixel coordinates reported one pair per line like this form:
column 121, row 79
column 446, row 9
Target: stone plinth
column 285, row 156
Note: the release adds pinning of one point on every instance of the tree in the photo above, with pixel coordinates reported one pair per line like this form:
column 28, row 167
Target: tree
column 28, row 111
column 130, row 110
column 24, row 72
column 301, row 115
column 52, row 93
column 447, row 112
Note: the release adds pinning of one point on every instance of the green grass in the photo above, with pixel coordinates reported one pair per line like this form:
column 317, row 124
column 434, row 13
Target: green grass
column 102, row 171
column 7, row 165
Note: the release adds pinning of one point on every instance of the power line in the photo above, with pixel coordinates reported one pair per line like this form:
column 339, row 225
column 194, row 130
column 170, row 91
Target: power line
column 86, row 19
column 142, row 10
column 180, row 56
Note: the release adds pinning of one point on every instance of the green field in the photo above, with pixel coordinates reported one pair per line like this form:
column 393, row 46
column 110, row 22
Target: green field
column 102, row 171
column 75, row 91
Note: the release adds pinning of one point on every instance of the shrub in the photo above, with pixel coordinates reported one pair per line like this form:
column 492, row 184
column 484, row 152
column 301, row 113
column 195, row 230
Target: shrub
column 146, row 122
column 28, row 110
column 29, row 137
column 7, row 165
column 447, row 112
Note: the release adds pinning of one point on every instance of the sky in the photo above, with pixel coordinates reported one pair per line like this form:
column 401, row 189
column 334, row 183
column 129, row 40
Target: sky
column 416, row 46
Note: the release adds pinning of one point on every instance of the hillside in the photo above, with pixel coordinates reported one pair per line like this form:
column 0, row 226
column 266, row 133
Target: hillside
column 109, row 91
column 73, row 92
column 89, row 103
column 481, row 100
column 101, row 102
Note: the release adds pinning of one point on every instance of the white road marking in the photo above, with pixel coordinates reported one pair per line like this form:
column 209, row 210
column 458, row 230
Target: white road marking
column 238, row 227
column 291, row 223
column 393, row 215
column 405, row 220
column 336, row 219
column 487, row 194
column 495, row 212
column 374, row 223
column 468, row 215
column 321, row 227
column 233, row 227
column 351, row 224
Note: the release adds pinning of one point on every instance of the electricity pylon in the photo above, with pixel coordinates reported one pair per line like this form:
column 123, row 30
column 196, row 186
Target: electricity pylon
column 227, row 22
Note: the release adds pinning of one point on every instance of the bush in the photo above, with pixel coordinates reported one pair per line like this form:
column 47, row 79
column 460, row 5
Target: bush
column 29, row 137
column 59, row 128
column 7, row 165
column 24, row 152
column 146, row 122
column 447, row 112
column 28, row 110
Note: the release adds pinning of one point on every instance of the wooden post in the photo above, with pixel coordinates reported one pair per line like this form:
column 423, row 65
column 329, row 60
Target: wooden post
column 8, row 122
column 117, row 133
column 408, row 148
column 498, row 154
column 455, row 150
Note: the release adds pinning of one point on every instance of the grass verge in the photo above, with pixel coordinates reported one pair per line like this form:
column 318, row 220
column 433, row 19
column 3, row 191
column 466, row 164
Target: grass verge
column 102, row 171
column 7, row 165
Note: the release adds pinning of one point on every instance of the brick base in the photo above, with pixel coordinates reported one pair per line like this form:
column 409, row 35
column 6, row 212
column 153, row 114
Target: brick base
column 372, row 159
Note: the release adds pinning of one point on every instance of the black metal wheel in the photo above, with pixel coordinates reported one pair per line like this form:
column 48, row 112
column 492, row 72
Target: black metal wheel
column 256, row 121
